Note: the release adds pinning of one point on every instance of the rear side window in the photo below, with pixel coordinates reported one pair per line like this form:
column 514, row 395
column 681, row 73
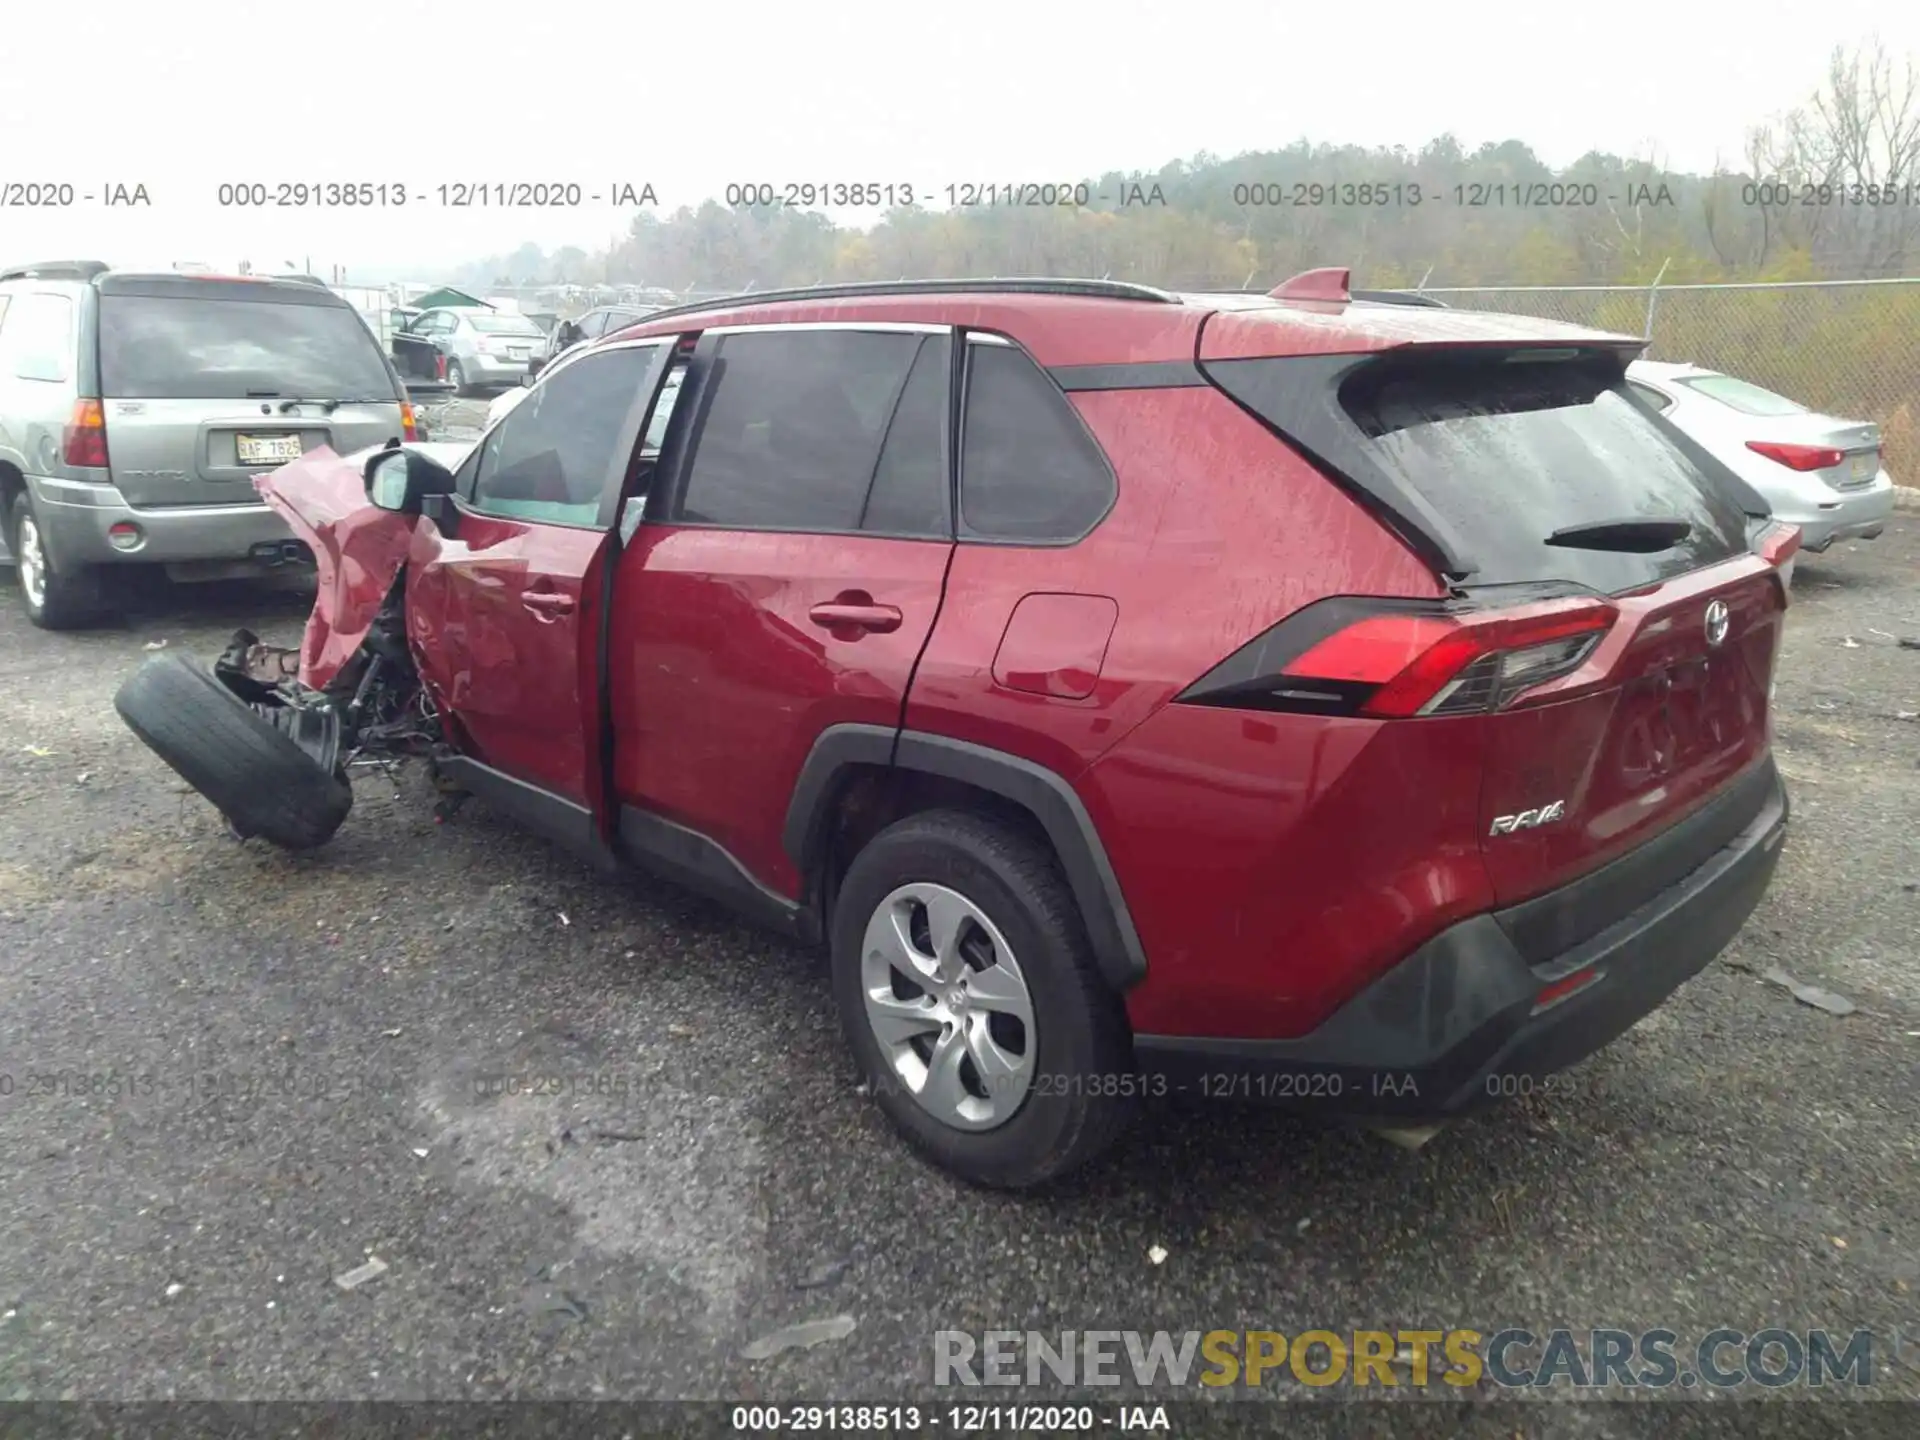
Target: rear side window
column 1508, row 453
column 1029, row 471
column 37, row 341
column 195, row 348
column 1747, row 399
column 1653, row 397
column 794, row 427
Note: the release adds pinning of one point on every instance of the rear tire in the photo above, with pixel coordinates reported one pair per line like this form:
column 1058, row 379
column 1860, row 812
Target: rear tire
column 256, row 776
column 1045, row 1081
column 456, row 377
column 54, row 599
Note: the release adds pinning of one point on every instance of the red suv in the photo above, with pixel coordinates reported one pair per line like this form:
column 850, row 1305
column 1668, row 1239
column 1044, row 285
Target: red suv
column 1293, row 697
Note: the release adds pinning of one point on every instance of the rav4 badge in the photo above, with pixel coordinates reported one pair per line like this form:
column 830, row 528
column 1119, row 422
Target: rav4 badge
column 1527, row 819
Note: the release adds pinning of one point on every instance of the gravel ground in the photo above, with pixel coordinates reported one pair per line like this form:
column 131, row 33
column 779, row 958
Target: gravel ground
column 309, row 1053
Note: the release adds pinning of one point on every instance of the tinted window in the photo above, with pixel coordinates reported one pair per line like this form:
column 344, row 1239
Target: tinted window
column 1028, row 468
column 210, row 349
column 1652, row 396
column 38, row 338
column 551, row 457
column 1509, row 453
column 1747, row 399
column 793, row 428
column 909, row 491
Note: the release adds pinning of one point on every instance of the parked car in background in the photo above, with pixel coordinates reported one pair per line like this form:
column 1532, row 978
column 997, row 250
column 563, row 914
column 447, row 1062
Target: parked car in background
column 481, row 347
column 1273, row 696
column 1819, row 472
column 591, row 326
column 136, row 410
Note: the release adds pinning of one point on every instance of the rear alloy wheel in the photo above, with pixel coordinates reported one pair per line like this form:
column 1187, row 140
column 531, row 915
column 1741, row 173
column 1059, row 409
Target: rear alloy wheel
column 968, row 993
column 54, row 599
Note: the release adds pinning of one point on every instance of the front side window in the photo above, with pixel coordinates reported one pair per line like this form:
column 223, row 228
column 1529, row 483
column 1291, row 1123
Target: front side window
column 553, row 457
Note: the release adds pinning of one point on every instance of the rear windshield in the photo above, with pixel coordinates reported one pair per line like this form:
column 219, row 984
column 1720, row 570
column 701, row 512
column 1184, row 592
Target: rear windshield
column 502, row 325
column 203, row 348
column 1511, row 452
column 1747, row 399
column 1507, row 451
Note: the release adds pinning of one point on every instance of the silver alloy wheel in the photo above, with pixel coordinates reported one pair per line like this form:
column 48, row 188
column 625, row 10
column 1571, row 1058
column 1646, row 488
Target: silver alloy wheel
column 32, row 560
column 949, row 1006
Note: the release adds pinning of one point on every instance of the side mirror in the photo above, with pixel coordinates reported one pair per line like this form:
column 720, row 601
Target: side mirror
column 404, row 480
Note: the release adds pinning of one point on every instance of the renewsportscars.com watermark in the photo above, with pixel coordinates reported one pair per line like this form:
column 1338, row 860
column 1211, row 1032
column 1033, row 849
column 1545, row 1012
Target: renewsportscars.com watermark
column 1513, row 1359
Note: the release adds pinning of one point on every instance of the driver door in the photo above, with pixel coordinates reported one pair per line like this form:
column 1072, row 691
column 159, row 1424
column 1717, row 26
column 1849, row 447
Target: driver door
column 505, row 606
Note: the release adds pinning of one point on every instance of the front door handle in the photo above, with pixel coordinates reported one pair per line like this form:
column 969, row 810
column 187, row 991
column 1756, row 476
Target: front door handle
column 842, row 615
column 547, row 602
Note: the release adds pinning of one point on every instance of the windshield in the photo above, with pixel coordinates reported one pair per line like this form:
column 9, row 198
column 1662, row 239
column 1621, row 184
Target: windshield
column 207, row 348
column 502, row 325
column 1739, row 395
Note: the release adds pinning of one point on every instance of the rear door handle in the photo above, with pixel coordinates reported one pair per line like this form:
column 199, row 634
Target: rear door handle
column 839, row 615
column 547, row 602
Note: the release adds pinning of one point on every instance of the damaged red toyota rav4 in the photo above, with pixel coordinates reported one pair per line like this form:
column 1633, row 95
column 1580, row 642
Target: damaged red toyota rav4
column 1312, row 696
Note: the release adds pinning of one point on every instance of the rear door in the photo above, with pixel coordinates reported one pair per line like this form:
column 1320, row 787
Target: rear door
column 787, row 575
column 1520, row 455
column 206, row 384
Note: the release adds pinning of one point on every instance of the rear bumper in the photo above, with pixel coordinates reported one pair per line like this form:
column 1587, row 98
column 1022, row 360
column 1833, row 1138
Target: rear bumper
column 1456, row 1025
column 75, row 517
column 1841, row 514
column 492, row 370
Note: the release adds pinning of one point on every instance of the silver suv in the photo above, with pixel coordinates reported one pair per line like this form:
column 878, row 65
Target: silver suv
column 136, row 409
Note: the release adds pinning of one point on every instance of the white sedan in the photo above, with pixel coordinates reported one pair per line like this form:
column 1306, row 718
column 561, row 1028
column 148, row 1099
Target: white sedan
column 1820, row 473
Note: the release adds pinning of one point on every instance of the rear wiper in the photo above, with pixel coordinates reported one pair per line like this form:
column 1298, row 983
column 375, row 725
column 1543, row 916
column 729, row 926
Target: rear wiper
column 1634, row 536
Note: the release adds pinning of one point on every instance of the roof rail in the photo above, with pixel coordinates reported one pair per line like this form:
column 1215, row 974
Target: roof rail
column 1400, row 297
column 56, row 270
column 1089, row 289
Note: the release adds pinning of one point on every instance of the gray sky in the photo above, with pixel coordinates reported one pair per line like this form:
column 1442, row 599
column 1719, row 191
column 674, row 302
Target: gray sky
column 182, row 95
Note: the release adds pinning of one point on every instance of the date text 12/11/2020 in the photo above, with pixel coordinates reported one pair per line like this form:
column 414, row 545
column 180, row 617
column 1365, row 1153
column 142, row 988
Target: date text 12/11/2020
column 453, row 195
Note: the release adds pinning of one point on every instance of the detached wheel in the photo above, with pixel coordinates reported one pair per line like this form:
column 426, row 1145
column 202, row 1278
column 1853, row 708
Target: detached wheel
column 54, row 599
column 255, row 774
column 968, row 992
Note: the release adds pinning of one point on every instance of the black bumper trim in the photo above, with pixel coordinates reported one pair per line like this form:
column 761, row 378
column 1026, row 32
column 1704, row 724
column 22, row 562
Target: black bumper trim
column 1453, row 1026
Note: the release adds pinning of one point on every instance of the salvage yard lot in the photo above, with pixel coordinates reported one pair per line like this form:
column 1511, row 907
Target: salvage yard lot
column 604, row 1136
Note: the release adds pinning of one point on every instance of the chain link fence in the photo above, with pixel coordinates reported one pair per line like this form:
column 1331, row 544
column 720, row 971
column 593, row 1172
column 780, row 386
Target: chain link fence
column 1849, row 348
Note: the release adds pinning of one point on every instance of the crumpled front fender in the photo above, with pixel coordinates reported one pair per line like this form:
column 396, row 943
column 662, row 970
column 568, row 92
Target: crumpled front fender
column 358, row 550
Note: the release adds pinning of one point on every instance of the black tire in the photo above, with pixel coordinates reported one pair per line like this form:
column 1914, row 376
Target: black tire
column 257, row 777
column 456, row 377
column 70, row 596
column 1069, row 1115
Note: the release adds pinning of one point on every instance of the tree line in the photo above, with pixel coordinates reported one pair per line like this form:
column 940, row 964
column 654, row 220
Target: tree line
column 1829, row 191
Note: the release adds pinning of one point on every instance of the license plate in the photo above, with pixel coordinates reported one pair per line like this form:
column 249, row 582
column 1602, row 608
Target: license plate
column 267, row 449
column 1865, row 467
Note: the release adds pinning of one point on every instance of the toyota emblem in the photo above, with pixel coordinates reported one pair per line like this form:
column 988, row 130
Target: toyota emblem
column 1717, row 622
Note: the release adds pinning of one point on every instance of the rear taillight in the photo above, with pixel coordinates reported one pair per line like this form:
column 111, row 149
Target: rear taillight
column 85, row 439
column 1798, row 457
column 409, row 424
column 1456, row 664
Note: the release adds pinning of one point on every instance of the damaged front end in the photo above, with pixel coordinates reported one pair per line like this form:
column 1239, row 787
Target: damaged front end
column 270, row 734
